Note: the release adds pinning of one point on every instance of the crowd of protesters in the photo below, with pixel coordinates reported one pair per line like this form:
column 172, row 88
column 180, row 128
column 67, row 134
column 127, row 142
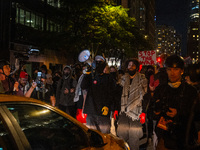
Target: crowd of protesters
column 161, row 98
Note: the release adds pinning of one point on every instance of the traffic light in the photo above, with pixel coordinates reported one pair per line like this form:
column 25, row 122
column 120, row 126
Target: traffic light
column 158, row 59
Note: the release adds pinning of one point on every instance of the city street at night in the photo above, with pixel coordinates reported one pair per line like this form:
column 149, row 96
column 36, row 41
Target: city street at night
column 99, row 74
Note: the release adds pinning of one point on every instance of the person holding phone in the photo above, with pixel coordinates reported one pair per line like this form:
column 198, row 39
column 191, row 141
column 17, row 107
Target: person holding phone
column 22, row 87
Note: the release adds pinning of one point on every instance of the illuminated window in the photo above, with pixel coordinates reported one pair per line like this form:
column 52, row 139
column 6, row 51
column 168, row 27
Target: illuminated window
column 54, row 3
column 195, row 15
column 28, row 18
column 193, row 35
column 194, row 28
column 17, row 15
column 32, row 20
column 50, row 2
column 196, row 7
column 22, row 16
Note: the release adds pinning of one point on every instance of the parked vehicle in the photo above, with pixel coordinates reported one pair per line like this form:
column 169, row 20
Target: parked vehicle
column 27, row 123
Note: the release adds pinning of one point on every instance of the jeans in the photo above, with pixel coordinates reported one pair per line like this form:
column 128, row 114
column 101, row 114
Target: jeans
column 129, row 130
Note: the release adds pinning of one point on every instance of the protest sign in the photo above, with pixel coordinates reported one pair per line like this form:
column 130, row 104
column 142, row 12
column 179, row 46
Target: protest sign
column 147, row 57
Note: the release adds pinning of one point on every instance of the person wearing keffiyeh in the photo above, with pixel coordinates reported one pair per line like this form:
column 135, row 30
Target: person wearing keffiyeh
column 134, row 87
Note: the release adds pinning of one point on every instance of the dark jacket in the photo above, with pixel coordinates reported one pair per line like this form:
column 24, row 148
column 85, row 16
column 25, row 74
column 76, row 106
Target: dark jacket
column 100, row 94
column 7, row 85
column 182, row 99
column 65, row 99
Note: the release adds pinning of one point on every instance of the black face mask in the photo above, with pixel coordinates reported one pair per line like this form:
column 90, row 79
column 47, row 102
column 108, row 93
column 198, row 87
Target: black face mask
column 66, row 74
column 113, row 74
column 132, row 72
column 100, row 67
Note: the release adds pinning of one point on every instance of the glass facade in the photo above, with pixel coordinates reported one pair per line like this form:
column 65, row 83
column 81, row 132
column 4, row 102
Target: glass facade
column 193, row 31
column 167, row 40
column 54, row 3
column 36, row 21
column 29, row 18
column 194, row 15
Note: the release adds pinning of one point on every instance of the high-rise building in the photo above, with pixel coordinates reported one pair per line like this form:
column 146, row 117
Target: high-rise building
column 167, row 40
column 193, row 44
column 26, row 27
column 194, row 7
column 150, row 24
column 144, row 12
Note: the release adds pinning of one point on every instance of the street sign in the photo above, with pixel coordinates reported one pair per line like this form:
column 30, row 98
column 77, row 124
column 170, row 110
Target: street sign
column 147, row 57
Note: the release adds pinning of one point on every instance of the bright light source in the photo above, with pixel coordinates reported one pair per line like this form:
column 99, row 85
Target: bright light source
column 38, row 113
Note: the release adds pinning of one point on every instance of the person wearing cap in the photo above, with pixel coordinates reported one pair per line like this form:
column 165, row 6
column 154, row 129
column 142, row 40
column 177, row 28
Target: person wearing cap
column 65, row 92
column 131, row 117
column 6, row 81
column 175, row 104
column 22, row 85
column 98, row 92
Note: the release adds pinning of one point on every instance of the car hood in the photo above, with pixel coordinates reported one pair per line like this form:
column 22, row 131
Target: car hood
column 112, row 142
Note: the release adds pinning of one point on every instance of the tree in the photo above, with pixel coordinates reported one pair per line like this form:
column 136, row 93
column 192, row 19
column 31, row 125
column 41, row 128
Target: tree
column 101, row 28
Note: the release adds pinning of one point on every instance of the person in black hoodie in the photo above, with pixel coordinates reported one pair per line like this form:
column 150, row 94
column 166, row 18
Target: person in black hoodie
column 65, row 92
column 98, row 94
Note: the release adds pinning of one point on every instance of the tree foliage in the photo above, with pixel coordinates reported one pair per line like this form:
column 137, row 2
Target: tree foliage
column 101, row 28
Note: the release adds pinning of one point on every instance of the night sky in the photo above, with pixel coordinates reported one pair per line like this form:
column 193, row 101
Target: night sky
column 174, row 13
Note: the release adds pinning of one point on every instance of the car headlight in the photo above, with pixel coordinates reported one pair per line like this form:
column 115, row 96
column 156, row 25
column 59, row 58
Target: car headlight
column 126, row 146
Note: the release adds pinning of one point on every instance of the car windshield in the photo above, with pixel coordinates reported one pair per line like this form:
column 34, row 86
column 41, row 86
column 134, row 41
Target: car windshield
column 46, row 129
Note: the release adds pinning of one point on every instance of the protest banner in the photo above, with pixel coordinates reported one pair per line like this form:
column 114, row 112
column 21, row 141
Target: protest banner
column 147, row 57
